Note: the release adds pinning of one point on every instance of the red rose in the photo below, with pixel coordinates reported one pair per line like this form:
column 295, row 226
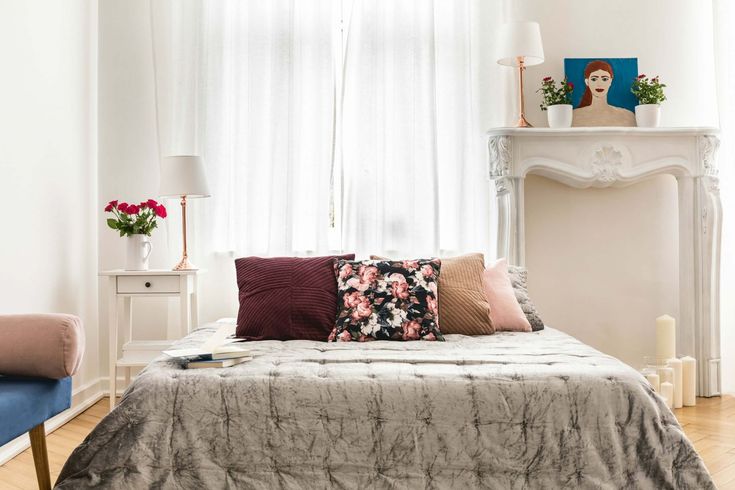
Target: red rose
column 641, row 76
column 151, row 203
column 112, row 204
column 133, row 209
column 571, row 86
column 123, row 207
column 108, row 208
column 547, row 79
column 160, row 211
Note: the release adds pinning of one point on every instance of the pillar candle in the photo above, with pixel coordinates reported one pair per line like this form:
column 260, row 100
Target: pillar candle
column 665, row 337
column 666, row 375
column 653, row 380
column 667, row 392
column 675, row 364
column 689, row 381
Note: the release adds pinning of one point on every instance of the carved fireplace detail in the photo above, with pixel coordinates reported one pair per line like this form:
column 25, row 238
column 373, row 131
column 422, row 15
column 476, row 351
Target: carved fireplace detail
column 602, row 157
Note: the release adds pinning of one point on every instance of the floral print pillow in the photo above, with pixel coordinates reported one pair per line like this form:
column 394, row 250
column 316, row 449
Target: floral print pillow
column 387, row 300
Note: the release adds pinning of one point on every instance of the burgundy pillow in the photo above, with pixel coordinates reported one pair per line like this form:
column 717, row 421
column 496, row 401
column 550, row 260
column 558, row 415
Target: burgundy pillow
column 287, row 298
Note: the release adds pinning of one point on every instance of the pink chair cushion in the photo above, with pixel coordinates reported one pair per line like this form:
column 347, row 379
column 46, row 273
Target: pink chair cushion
column 42, row 346
column 505, row 311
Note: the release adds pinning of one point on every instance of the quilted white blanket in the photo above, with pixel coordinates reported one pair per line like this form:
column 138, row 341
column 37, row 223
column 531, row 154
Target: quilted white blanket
column 511, row 410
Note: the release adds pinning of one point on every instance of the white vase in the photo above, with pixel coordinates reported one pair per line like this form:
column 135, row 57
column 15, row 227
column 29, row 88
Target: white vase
column 559, row 116
column 648, row 115
column 138, row 251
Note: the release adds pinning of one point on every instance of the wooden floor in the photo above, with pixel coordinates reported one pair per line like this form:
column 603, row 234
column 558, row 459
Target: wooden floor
column 710, row 426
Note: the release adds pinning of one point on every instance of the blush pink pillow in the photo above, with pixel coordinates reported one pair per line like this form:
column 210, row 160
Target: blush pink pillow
column 505, row 312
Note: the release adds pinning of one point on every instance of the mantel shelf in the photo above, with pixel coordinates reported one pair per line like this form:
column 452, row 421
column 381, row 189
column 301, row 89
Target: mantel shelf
column 603, row 131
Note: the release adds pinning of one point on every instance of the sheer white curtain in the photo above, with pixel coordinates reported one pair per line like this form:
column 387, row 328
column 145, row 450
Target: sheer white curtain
column 724, row 16
column 250, row 86
column 327, row 124
column 414, row 181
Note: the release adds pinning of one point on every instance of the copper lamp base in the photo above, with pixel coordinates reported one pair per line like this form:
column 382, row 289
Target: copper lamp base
column 523, row 123
column 185, row 265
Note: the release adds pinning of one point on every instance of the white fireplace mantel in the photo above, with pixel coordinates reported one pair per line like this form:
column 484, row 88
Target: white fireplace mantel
column 603, row 157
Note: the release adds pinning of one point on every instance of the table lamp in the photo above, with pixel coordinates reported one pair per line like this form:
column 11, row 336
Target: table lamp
column 183, row 176
column 520, row 45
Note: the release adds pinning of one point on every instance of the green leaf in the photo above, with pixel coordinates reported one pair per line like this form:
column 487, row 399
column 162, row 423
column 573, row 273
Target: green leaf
column 112, row 223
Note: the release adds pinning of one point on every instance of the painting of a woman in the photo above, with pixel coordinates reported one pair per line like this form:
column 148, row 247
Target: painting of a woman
column 593, row 108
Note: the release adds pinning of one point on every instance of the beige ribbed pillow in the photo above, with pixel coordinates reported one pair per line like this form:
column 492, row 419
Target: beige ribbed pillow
column 463, row 307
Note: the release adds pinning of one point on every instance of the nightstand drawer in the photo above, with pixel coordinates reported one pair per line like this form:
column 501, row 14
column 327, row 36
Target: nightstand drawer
column 147, row 284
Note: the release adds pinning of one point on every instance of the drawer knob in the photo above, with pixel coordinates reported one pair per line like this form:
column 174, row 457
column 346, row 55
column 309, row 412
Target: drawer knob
column 147, row 284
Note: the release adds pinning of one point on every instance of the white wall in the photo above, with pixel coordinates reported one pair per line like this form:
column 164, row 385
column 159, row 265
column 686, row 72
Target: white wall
column 48, row 164
column 128, row 144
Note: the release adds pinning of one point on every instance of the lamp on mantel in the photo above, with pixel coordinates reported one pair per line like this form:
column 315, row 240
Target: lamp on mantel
column 520, row 46
column 183, row 177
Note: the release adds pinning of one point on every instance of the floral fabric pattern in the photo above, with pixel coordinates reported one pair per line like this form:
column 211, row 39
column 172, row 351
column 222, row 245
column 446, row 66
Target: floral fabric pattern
column 387, row 300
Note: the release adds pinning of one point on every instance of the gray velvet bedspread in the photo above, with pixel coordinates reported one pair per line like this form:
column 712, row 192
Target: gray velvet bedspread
column 511, row 410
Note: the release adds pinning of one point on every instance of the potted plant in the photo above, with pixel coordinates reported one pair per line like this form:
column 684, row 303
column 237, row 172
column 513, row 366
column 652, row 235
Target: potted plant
column 136, row 222
column 557, row 101
column 650, row 94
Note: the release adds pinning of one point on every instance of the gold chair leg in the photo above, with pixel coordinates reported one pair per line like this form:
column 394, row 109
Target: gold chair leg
column 40, row 456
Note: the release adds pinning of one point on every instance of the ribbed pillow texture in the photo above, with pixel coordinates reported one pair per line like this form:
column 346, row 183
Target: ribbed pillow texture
column 287, row 298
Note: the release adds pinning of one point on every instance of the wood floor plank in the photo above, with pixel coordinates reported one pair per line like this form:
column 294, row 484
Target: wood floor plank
column 710, row 426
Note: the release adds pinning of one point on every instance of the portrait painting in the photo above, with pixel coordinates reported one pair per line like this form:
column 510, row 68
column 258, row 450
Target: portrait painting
column 602, row 95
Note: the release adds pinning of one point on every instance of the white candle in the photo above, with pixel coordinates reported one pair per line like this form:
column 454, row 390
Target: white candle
column 667, row 392
column 689, row 381
column 666, row 375
column 665, row 337
column 675, row 364
column 653, row 380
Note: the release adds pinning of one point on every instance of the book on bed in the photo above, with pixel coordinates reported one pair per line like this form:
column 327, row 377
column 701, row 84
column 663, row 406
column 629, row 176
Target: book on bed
column 219, row 346
column 216, row 363
column 215, row 354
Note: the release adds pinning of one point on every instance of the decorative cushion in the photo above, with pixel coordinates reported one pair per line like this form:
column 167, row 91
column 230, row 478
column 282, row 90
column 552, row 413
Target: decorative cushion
column 463, row 307
column 519, row 280
column 505, row 311
column 26, row 402
column 387, row 300
column 286, row 298
column 43, row 346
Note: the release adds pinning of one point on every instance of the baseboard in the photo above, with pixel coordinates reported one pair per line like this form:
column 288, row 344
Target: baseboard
column 82, row 398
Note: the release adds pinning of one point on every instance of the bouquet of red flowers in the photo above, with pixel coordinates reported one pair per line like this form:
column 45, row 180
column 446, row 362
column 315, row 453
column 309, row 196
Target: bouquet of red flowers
column 135, row 219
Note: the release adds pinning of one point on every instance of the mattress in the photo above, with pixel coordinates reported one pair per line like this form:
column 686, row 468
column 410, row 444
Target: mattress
column 510, row 410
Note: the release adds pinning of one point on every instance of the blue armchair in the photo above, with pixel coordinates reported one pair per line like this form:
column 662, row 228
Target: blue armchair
column 38, row 356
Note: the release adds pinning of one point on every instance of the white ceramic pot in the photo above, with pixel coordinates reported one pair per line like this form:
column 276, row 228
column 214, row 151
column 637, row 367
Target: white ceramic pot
column 559, row 116
column 138, row 251
column 648, row 115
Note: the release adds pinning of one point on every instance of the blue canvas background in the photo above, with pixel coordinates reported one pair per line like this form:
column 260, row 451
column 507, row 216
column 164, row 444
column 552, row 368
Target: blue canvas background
column 625, row 70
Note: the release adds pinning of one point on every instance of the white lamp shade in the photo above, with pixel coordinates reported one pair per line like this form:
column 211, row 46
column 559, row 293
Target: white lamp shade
column 520, row 39
column 183, row 175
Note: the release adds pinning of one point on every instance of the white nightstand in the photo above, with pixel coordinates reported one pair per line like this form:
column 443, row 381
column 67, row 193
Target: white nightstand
column 127, row 285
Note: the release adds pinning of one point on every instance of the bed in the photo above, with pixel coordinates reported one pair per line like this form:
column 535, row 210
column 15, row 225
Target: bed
column 510, row 410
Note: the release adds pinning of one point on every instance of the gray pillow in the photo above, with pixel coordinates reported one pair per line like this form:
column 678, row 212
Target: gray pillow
column 519, row 280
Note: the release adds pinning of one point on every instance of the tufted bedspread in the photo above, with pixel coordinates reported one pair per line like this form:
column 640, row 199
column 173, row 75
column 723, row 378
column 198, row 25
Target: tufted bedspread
column 511, row 410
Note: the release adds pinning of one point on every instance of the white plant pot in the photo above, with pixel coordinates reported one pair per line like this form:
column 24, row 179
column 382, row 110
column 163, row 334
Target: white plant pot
column 559, row 116
column 648, row 115
column 138, row 250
